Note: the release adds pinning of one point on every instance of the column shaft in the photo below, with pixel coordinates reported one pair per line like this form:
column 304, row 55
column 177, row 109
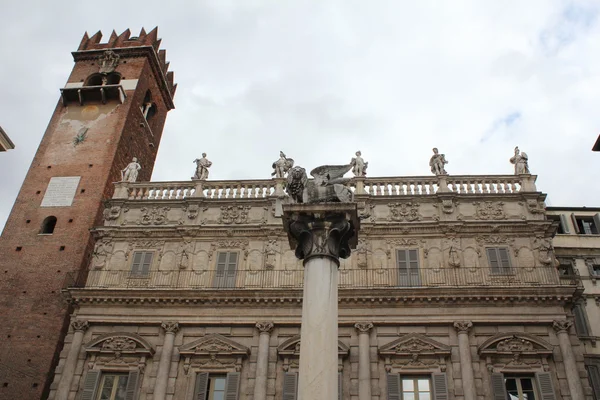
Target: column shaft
column 164, row 364
column 64, row 386
column 262, row 361
column 571, row 370
column 319, row 332
column 364, row 366
column 466, row 366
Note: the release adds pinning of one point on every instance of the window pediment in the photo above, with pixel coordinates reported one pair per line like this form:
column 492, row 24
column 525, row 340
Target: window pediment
column 414, row 343
column 515, row 342
column 120, row 343
column 291, row 347
column 214, row 344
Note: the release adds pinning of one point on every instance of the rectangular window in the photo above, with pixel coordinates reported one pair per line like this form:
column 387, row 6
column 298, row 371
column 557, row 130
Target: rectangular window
column 99, row 385
column 581, row 323
column 586, row 225
column 113, row 387
column 563, row 227
column 408, row 267
column 518, row 387
column 217, row 386
column 416, row 388
column 499, row 260
column 226, row 270
column 565, row 268
column 593, row 368
column 408, row 387
column 290, row 386
column 596, row 269
column 142, row 260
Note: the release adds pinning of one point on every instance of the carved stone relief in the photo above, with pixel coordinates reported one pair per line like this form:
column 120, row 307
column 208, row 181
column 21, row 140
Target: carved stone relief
column 414, row 351
column 362, row 249
column 367, row 212
column 112, row 213
column 102, row 253
column 235, row 214
column 241, row 244
column 185, row 253
column 545, row 251
column 270, row 251
column 448, row 206
column 214, row 351
column 156, row 245
column 489, row 210
column 404, row 212
column 153, row 215
column 535, row 207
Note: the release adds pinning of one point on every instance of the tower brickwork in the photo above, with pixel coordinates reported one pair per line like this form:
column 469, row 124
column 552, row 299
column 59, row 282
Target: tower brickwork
column 112, row 108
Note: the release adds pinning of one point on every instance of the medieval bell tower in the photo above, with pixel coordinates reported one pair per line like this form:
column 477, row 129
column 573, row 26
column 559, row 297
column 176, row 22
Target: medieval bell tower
column 112, row 108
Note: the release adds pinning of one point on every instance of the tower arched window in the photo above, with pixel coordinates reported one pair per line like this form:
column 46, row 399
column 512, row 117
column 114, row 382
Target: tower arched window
column 114, row 78
column 48, row 225
column 94, row 80
column 148, row 106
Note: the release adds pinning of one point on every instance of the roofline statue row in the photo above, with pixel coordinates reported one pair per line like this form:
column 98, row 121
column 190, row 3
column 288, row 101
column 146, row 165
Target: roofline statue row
column 284, row 167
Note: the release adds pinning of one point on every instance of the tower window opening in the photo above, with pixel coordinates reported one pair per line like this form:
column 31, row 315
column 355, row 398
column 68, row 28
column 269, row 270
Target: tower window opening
column 48, row 225
column 148, row 107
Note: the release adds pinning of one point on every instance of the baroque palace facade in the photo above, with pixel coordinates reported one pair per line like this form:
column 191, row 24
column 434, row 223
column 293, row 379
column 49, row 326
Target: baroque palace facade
column 190, row 290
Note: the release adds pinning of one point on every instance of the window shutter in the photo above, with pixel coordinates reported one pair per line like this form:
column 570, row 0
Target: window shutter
column 132, row 385
column 594, row 376
column 340, row 386
column 403, row 279
column 544, row 381
column 290, row 386
column 493, row 259
column 564, row 223
column 146, row 262
column 575, row 226
column 137, row 262
column 504, row 259
column 597, row 223
column 231, row 269
column 581, row 325
column 440, row 387
column 498, row 389
column 413, row 259
column 393, row 387
column 90, row 385
column 201, row 386
column 232, row 386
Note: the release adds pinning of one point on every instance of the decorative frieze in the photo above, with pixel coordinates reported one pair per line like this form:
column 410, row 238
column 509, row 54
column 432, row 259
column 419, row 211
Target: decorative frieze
column 235, row 214
column 408, row 212
column 489, row 210
column 153, row 215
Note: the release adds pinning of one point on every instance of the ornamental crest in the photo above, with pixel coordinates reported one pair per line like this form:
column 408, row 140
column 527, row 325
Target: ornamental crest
column 514, row 344
column 113, row 212
column 153, row 215
column 119, row 343
column 489, row 210
column 413, row 345
column 214, row 344
column 404, row 212
column 108, row 62
column 234, row 215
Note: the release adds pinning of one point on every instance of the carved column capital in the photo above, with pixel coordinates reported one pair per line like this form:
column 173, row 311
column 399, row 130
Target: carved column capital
column 170, row 326
column 328, row 233
column 79, row 325
column 463, row 326
column 264, row 327
column 363, row 327
column 561, row 325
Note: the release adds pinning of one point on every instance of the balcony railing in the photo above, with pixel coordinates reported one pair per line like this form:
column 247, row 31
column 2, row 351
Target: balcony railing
column 293, row 279
column 384, row 186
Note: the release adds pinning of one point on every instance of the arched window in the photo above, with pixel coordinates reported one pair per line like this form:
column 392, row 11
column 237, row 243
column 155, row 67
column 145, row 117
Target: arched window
column 148, row 107
column 94, row 80
column 48, row 225
column 113, row 78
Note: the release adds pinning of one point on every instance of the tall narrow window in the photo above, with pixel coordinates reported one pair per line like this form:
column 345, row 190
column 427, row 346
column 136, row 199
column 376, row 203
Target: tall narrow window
column 499, row 260
column 226, row 270
column 408, row 267
column 142, row 260
column 516, row 387
column 110, row 385
column 593, row 369
column 217, row 386
column 48, row 225
column 581, row 322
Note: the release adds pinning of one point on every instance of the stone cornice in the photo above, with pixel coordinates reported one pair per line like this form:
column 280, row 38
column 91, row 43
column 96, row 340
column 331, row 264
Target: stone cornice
column 407, row 297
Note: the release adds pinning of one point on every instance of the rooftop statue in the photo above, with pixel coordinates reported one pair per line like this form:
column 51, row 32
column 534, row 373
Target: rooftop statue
column 359, row 166
column 282, row 166
column 328, row 185
column 130, row 172
column 202, row 166
column 437, row 162
column 520, row 160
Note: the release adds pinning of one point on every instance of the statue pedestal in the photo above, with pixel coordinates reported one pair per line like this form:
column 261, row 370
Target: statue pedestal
column 320, row 234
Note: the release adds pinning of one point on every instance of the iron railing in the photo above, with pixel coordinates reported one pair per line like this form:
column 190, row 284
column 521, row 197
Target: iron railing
column 293, row 279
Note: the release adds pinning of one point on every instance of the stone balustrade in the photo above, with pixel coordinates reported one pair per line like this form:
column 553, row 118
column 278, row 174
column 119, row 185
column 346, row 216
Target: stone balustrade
column 378, row 186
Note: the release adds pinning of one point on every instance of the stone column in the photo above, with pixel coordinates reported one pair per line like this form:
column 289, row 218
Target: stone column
column 320, row 233
column 262, row 361
column 164, row 364
column 66, row 377
column 364, row 360
column 561, row 327
column 466, row 363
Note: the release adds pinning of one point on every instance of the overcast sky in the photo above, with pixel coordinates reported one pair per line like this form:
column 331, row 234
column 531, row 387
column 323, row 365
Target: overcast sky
column 322, row 79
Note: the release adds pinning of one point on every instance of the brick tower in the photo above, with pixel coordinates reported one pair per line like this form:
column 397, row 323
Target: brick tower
column 112, row 108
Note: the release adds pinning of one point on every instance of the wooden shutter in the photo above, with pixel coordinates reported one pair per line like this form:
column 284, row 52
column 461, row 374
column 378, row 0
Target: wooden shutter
column 340, row 386
column 132, row 386
column 544, row 381
column 201, row 386
column 564, row 223
column 90, row 384
column 596, row 224
column 146, row 262
column 575, row 226
column 581, row 325
column 403, row 279
column 594, row 377
column 413, row 267
column 137, row 262
column 231, row 270
column 393, row 387
column 498, row 389
column 220, row 271
column 290, row 386
column 493, row 260
column 408, row 267
column 232, row 386
column 440, row 387
column 504, row 260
